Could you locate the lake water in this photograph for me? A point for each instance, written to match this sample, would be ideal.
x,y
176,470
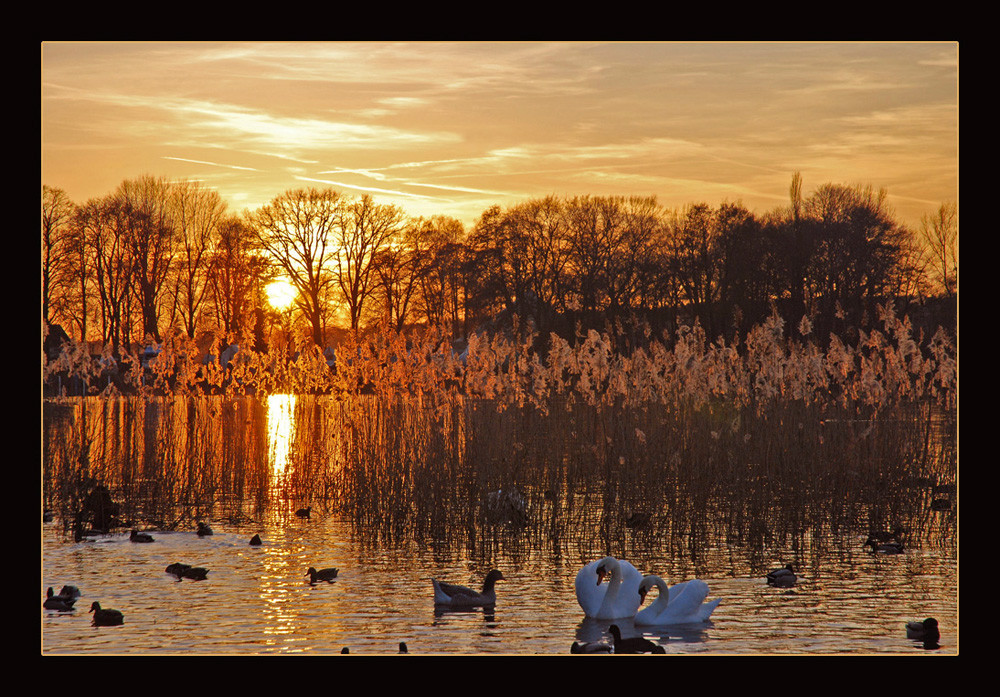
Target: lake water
x,y
258,600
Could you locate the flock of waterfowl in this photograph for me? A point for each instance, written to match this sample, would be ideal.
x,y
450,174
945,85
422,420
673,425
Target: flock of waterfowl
x,y
621,598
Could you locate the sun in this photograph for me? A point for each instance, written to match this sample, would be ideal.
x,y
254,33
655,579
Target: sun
x,y
281,294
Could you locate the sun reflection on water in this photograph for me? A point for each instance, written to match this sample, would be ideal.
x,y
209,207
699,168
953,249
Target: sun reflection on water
x,y
280,408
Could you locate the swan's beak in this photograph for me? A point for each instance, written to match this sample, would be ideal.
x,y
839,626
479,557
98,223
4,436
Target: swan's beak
x,y
642,595
600,576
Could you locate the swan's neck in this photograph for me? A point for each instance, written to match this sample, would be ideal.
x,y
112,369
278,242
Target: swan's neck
x,y
663,596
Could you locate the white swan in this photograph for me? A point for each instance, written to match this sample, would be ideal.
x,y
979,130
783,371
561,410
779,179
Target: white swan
x,y
683,603
618,598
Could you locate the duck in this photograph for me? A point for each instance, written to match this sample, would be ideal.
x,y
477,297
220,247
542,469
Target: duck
x,y
618,599
782,578
137,536
70,592
203,529
591,647
452,595
304,512
895,535
683,603
322,575
255,541
195,573
106,617
638,521
402,647
884,547
926,631
62,603
177,569
636,644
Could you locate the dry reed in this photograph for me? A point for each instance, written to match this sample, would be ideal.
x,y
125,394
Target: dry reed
x,y
757,444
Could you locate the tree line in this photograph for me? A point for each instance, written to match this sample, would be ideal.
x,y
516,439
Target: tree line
x,y
158,255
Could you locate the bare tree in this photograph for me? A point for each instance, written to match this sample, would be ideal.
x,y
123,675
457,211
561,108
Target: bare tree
x,y
940,236
150,236
297,230
57,254
104,225
197,214
366,229
236,274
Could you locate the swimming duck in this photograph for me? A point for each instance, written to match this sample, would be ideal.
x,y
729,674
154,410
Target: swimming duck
x,y
402,647
884,547
106,617
203,529
137,536
636,644
255,540
896,535
461,596
177,569
195,573
322,575
782,578
304,512
591,647
62,603
70,592
926,631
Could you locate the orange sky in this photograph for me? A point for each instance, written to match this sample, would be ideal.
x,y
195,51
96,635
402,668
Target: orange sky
x,y
452,128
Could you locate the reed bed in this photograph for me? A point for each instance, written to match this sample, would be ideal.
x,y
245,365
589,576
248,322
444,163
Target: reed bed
x,y
766,443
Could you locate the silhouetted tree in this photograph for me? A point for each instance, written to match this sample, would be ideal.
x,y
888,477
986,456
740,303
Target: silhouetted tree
x,y
237,274
150,235
365,229
197,214
297,229
59,250
940,236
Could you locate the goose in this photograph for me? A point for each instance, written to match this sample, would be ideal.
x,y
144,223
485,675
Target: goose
x,y
683,603
591,647
926,631
461,596
782,578
203,529
137,536
636,644
884,547
106,617
304,512
63,603
255,540
322,575
619,598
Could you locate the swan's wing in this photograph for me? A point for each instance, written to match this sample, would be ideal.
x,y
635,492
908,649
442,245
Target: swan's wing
x,y
686,602
628,600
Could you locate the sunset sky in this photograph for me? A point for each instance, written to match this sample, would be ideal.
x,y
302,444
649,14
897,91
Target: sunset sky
x,y
453,128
